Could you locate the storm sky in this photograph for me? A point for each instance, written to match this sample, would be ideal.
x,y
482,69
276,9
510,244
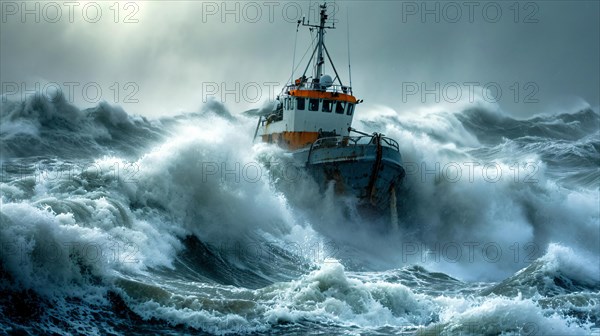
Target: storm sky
x,y
163,58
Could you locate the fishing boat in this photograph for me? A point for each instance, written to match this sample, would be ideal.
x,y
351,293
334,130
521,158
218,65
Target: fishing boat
x,y
312,119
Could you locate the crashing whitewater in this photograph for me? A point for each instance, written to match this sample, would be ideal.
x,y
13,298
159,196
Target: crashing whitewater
x,y
113,223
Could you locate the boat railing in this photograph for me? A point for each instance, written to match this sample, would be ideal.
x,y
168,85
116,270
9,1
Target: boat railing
x,y
318,87
390,143
353,141
346,141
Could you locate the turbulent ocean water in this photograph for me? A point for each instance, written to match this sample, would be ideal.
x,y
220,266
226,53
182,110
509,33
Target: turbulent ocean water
x,y
118,224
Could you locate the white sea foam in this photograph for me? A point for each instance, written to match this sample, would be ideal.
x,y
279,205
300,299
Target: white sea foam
x,y
106,230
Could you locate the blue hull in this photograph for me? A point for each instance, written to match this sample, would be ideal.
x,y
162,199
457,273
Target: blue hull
x,y
369,172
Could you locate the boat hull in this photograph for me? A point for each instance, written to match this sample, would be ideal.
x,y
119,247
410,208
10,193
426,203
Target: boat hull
x,y
369,172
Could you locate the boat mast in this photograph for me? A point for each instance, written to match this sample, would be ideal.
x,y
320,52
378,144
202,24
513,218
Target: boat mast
x,y
321,33
321,39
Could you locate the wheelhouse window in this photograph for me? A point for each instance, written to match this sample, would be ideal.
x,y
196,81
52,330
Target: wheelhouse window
x,y
340,107
350,109
286,104
291,103
313,104
300,102
327,105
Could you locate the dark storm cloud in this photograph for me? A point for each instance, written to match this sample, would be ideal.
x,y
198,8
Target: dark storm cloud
x,y
179,53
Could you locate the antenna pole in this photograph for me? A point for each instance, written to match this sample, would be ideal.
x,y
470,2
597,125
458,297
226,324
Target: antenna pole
x,y
348,30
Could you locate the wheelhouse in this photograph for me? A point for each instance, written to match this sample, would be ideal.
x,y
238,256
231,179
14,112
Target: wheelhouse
x,y
311,107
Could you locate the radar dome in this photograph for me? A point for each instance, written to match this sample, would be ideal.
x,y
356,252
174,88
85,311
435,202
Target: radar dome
x,y
326,81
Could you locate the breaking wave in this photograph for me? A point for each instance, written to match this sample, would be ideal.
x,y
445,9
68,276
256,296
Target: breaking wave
x,y
112,223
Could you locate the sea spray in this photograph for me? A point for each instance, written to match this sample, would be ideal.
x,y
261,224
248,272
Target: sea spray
x,y
154,226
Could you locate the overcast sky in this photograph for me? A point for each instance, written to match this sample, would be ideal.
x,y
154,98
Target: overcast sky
x,y
163,58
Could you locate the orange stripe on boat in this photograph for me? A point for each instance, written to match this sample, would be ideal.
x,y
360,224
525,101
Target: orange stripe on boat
x,y
323,95
291,140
